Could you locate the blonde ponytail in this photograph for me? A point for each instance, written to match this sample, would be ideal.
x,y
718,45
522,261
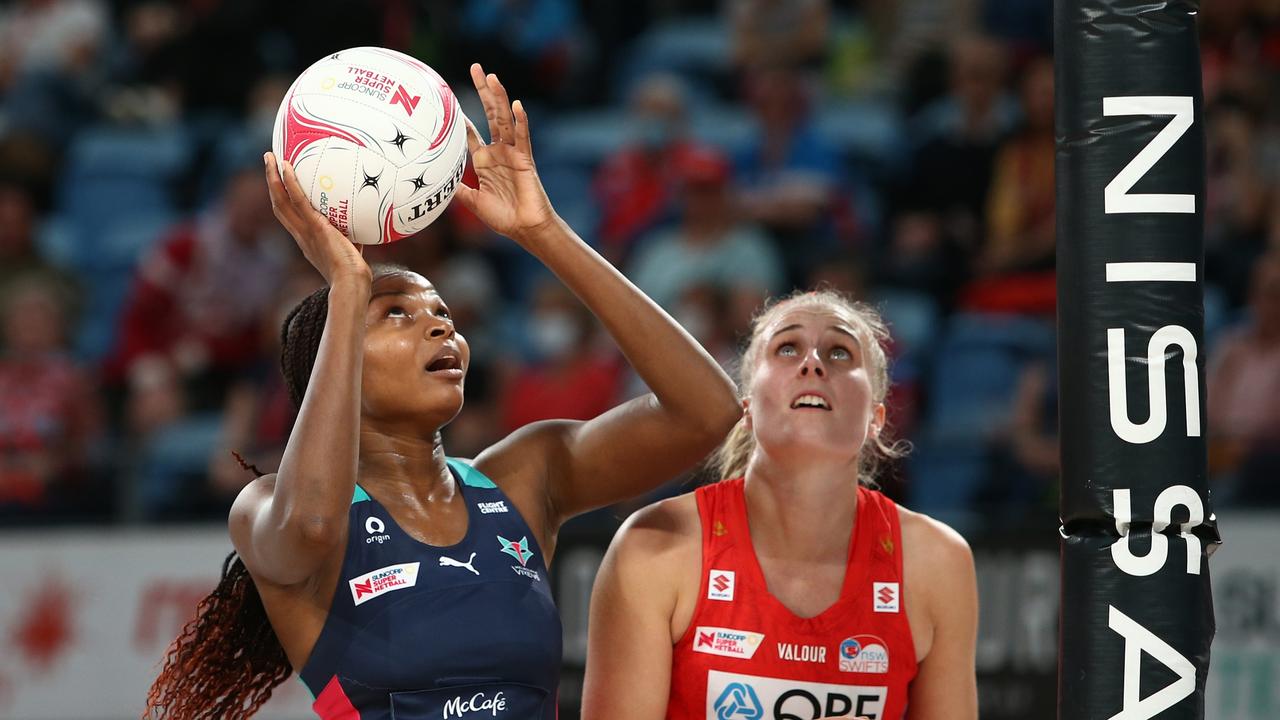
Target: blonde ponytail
x,y
732,456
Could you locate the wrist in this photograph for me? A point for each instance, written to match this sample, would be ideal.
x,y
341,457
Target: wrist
x,y
542,232
351,283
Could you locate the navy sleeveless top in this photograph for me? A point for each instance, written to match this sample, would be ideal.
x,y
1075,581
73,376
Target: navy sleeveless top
x,y
417,631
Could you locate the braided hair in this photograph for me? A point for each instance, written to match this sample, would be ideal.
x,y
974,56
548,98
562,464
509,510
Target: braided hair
x,y
228,659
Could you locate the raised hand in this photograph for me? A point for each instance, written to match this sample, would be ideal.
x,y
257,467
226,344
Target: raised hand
x,y
509,197
323,245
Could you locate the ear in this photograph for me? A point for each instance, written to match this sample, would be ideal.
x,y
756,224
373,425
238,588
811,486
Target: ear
x,y
877,421
746,411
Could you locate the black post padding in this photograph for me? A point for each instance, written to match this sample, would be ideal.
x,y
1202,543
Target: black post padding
x,y
1130,230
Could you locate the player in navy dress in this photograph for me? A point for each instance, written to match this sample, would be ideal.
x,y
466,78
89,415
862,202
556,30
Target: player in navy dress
x,y
397,582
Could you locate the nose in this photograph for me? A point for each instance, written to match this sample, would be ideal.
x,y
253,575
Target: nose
x,y
812,363
439,327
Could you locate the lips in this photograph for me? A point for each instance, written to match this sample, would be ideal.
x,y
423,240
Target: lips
x,y
446,361
811,401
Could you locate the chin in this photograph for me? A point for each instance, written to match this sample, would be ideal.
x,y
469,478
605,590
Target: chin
x,y
814,445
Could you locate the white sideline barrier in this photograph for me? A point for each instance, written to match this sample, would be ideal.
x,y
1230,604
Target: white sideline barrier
x,y
85,617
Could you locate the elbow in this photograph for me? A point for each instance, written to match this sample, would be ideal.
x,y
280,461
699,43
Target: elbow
x,y
728,408
721,415
318,531
312,530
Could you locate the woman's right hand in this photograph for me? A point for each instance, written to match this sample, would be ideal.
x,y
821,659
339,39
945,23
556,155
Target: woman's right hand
x,y
335,256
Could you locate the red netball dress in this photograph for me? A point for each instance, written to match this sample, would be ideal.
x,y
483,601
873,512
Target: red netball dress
x,y
746,656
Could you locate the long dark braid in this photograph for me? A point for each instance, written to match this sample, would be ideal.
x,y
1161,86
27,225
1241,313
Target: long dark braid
x,y
300,342
228,659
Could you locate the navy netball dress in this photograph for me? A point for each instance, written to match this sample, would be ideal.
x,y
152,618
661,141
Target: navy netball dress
x,y
418,631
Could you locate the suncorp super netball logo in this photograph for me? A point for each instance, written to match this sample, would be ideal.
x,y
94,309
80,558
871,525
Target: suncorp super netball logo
x,y
726,641
383,580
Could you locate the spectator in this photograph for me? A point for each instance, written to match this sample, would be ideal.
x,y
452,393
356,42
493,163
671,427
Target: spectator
x,y
938,214
198,297
1014,267
1020,216
789,177
635,186
1033,439
1243,384
18,256
1242,172
709,245
529,43
49,409
570,378
50,69
258,414
778,32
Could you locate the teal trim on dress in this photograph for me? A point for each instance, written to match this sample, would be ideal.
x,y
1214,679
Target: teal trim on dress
x,y
304,682
471,477
359,495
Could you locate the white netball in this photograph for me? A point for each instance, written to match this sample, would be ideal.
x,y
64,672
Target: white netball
x,y
377,140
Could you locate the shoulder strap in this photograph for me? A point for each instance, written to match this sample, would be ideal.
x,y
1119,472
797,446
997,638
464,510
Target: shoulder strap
x,y
471,477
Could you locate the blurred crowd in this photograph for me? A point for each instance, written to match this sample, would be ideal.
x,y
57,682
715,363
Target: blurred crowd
x,y
717,152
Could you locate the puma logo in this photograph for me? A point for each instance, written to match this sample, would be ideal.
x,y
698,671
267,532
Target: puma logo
x,y
450,562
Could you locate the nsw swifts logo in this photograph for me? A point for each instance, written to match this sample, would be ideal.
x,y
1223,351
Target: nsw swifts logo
x,y
405,100
864,654
720,585
382,581
377,531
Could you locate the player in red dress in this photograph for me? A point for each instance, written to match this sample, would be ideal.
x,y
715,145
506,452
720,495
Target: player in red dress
x,y
790,590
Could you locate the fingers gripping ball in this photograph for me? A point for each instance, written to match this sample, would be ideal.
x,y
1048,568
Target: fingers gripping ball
x,y
377,140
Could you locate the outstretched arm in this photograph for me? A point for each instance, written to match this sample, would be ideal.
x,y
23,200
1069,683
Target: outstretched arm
x,y
640,444
285,526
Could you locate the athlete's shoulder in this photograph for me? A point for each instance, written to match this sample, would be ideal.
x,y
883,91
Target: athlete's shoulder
x,y
652,555
930,537
663,534
665,527
937,556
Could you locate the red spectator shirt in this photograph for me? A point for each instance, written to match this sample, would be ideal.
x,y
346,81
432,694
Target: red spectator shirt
x,y
745,655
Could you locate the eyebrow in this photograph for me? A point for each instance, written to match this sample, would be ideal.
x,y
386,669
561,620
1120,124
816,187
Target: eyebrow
x,y
404,293
837,328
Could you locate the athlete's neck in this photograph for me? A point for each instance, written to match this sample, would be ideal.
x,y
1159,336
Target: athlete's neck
x,y
405,467
801,509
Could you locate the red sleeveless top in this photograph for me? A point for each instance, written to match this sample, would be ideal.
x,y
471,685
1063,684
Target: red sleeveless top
x,y
746,656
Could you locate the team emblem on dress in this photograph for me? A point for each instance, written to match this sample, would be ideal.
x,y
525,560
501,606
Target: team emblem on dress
x,y
864,654
516,549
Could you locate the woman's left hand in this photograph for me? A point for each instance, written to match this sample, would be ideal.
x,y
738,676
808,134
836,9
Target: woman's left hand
x,y
509,197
